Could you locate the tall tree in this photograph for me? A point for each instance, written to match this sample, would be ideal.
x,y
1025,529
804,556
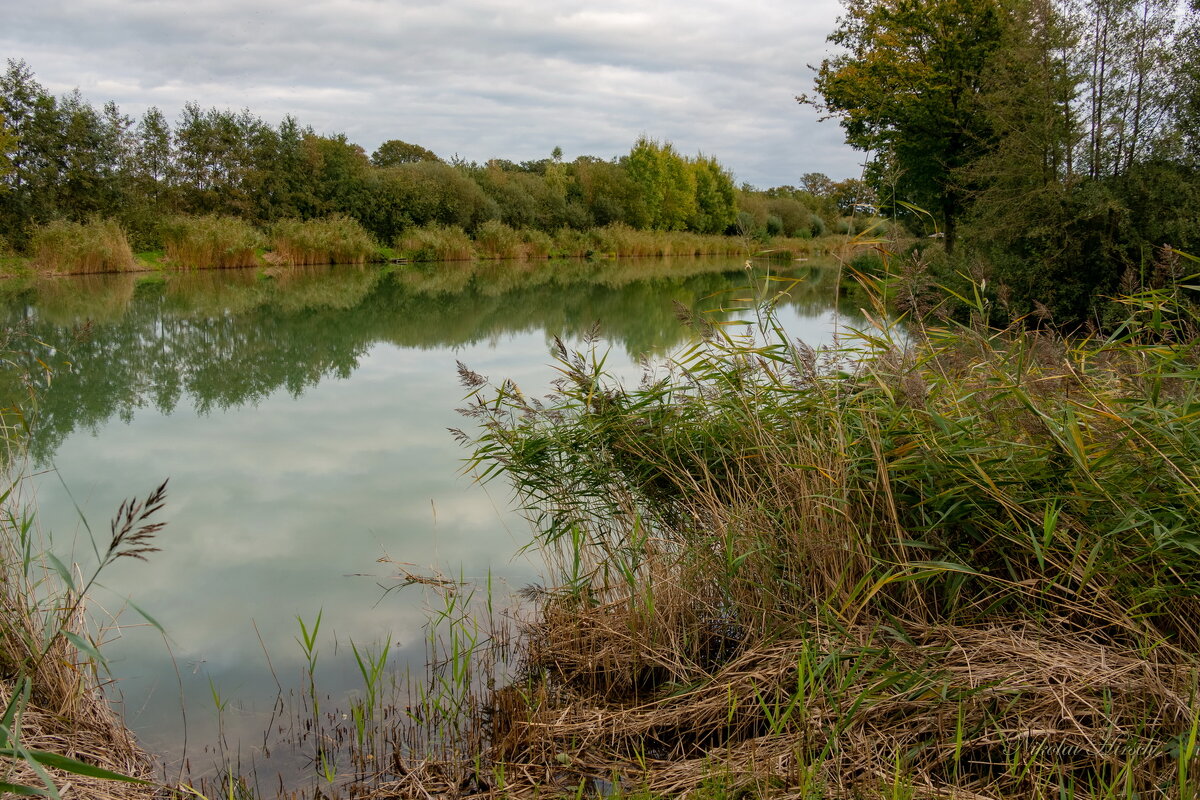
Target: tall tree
x,y
907,88
716,197
35,122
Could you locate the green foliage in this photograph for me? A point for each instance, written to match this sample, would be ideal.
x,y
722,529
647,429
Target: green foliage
x,y
667,186
73,247
8,147
816,225
607,192
65,159
716,197
422,194
793,215
536,243
907,88
571,243
394,152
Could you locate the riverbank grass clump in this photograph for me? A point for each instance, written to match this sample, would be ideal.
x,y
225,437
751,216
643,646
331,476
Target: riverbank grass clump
x,y
210,242
333,240
436,243
944,560
494,239
99,245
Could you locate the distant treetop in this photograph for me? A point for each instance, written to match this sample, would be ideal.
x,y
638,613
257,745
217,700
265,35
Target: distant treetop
x,y
394,152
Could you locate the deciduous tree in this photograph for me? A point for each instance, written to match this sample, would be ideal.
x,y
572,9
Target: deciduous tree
x,y
908,85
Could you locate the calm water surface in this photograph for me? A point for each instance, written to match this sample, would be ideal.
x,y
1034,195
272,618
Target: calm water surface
x,y
301,418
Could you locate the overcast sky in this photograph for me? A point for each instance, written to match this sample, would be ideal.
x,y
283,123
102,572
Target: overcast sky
x,y
480,78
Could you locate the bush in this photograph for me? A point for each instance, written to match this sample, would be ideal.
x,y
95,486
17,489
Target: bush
x,y
73,247
210,242
868,262
816,225
571,243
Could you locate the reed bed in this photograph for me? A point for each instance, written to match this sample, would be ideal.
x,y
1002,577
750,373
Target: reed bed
x,y
210,242
436,243
537,245
99,245
494,239
620,240
337,239
944,561
572,243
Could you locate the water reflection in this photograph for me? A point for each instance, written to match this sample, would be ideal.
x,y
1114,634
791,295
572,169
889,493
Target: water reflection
x,y
301,417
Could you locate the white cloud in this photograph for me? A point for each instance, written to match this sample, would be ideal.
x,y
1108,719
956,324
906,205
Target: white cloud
x,y
480,78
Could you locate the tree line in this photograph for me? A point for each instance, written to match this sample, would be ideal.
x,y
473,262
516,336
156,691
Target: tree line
x,y
1054,144
63,158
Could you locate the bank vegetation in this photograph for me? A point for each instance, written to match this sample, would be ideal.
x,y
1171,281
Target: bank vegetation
x,y
943,560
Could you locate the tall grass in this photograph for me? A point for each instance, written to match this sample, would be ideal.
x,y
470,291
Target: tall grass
x,y
333,240
210,242
436,243
494,239
572,243
99,245
621,240
943,560
536,244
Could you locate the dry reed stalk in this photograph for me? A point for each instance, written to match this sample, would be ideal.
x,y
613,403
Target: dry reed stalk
x,y
67,712
73,248
75,720
1025,696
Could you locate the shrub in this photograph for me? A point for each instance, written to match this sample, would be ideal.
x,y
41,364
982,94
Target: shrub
x,y
816,225
73,247
571,243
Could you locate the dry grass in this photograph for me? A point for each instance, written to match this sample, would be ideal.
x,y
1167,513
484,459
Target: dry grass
x,y
65,711
333,240
619,240
210,242
72,247
436,243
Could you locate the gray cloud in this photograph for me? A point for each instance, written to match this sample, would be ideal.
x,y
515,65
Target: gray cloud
x,y
480,78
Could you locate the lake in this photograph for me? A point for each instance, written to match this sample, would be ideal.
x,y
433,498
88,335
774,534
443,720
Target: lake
x,y
301,416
